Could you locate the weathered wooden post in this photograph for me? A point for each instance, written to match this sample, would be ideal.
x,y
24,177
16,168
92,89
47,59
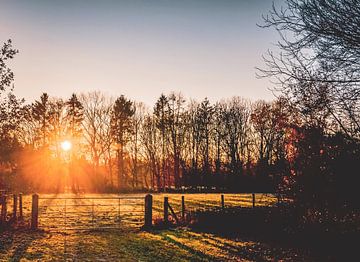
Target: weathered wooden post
x,y
34,211
278,199
222,202
166,210
253,199
15,199
183,208
148,210
3,208
20,206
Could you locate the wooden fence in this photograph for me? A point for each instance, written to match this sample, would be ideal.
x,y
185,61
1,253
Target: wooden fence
x,y
86,212
14,200
180,217
170,211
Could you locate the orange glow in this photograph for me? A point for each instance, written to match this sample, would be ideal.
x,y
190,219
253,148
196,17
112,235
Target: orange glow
x,y
66,145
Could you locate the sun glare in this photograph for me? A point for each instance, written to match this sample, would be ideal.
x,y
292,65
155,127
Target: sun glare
x,y
66,145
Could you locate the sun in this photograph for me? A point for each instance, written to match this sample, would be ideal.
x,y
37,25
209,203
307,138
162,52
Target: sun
x,y
66,145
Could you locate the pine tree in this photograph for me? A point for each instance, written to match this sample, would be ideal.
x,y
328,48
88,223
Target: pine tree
x,y
41,113
161,119
74,116
121,128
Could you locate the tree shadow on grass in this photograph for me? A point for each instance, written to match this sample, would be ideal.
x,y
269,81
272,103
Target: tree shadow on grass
x,y
132,245
15,243
193,251
212,247
283,233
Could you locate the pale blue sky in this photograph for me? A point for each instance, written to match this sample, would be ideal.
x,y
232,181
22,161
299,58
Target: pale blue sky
x,y
202,48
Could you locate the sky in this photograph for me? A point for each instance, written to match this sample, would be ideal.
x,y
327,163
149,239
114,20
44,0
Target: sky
x,y
139,48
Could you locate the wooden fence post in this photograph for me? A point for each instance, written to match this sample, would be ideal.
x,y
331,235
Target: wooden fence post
x,y
20,206
222,202
166,210
148,210
253,199
3,209
278,198
173,214
15,199
183,208
35,211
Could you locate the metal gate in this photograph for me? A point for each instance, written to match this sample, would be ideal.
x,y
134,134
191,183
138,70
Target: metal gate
x,y
87,213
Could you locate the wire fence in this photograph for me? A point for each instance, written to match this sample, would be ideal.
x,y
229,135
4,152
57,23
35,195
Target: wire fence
x,y
86,213
62,212
211,201
10,207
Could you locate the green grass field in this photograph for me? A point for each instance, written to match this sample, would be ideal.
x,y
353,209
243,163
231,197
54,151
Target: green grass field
x,y
106,210
125,241
134,245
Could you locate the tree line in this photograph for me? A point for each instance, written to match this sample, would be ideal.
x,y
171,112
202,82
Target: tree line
x,y
122,144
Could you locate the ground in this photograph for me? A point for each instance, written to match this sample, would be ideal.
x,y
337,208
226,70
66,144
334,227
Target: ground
x,y
132,245
126,242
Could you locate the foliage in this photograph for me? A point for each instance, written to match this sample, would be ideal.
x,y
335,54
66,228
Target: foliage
x,y
317,69
7,52
325,170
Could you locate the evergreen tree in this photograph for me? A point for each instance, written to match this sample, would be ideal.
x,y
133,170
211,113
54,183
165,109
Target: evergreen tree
x,y
42,114
74,115
161,119
121,129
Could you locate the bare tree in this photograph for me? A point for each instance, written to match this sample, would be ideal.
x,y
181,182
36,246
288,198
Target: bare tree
x,y
96,126
235,118
204,118
149,140
135,146
176,127
319,50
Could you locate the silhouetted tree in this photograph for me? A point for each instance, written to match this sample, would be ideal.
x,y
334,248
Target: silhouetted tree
x,y
161,119
204,118
11,116
219,134
6,75
121,128
57,123
149,140
97,138
135,147
74,115
318,65
236,117
176,129
42,114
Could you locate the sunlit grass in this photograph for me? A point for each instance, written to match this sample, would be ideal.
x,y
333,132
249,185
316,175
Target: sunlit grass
x,y
127,242
92,211
134,245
